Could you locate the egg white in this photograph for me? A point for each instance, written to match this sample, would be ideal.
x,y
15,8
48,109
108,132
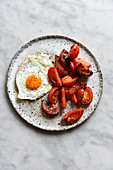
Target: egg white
x,y
37,65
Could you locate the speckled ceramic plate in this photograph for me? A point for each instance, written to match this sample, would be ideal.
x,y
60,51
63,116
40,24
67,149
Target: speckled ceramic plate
x,y
31,111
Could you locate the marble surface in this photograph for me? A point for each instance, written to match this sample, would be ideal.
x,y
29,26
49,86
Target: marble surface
x,y
87,147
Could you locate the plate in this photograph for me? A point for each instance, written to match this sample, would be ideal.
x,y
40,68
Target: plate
x,y
31,111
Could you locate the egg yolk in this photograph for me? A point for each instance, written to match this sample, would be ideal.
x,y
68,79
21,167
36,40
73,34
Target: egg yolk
x,y
33,82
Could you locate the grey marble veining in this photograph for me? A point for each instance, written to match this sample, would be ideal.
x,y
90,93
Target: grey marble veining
x,y
87,147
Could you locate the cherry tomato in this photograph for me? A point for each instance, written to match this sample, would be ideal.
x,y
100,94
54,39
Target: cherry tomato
x,y
59,67
49,108
73,116
75,63
53,95
67,93
73,97
54,76
72,69
74,51
68,62
87,97
63,55
77,86
83,61
79,95
69,81
83,70
62,98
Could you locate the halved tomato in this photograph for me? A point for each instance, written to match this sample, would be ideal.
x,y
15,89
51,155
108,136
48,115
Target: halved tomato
x,y
87,97
49,108
67,93
72,69
73,116
83,61
77,86
59,67
68,62
63,55
83,70
69,81
74,51
54,77
74,98
62,98
53,95
79,95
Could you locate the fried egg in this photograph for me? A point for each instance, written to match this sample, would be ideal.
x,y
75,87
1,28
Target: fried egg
x,y
32,76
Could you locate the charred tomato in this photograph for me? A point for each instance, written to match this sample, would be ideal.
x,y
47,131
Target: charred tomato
x,y
73,116
83,70
63,55
59,67
53,95
72,69
77,86
87,97
49,108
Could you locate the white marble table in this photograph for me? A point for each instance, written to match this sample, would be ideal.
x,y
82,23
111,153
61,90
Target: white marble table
x,y
87,147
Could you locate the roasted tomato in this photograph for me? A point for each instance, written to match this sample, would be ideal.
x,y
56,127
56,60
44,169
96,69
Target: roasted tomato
x,y
59,67
73,116
77,86
63,55
54,76
68,62
83,70
53,95
83,61
87,97
72,69
73,97
67,93
69,81
49,108
62,98
79,95
74,51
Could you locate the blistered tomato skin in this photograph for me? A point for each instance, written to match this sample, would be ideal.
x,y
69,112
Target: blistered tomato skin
x,y
77,86
79,95
59,67
87,97
53,95
83,70
49,108
72,69
74,51
63,55
73,116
